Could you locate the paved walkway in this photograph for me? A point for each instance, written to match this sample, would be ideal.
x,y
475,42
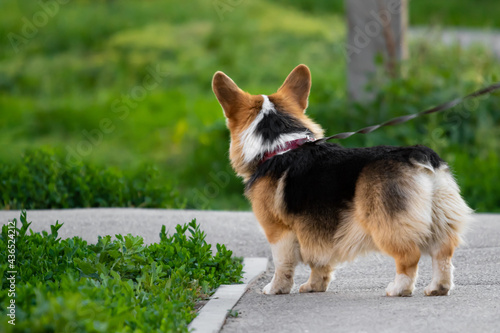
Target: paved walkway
x,y
465,37
355,301
239,231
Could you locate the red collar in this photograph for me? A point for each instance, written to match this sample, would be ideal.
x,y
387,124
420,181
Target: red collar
x,y
286,147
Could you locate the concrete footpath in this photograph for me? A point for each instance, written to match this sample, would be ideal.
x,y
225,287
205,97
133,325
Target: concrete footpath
x,y
356,300
465,37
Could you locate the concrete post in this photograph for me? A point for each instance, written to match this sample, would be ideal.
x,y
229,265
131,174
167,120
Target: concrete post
x,y
375,28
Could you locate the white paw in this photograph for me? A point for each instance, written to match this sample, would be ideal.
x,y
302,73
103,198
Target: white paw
x,y
270,289
267,289
403,285
394,290
438,289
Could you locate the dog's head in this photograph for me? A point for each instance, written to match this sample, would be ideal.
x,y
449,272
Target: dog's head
x,y
262,126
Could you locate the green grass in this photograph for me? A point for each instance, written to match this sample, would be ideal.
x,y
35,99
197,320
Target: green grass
x,y
115,285
64,89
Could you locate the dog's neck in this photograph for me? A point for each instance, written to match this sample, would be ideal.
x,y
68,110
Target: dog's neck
x,y
289,145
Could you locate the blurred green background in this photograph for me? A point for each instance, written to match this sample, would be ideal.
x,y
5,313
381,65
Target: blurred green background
x,y
79,84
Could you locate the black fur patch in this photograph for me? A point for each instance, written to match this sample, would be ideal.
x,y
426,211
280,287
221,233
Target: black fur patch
x,y
277,123
321,178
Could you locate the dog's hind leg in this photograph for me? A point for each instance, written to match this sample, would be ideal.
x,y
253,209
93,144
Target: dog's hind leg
x,y
394,204
286,256
319,280
406,271
442,272
450,216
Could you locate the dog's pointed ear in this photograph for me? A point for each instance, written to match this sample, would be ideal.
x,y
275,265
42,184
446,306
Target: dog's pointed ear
x,y
227,92
297,85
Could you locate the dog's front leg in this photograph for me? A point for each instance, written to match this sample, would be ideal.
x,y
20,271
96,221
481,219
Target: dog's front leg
x,y
319,280
286,256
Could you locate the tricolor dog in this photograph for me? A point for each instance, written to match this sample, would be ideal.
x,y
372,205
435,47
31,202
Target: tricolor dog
x,y
323,204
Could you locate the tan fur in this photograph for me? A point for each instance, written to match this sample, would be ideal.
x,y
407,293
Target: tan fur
x,y
399,209
394,231
287,256
318,280
296,87
268,214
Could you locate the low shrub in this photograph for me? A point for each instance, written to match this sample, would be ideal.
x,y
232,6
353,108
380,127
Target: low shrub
x,y
43,179
119,285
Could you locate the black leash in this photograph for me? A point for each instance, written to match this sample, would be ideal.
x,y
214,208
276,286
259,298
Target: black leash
x,y
403,119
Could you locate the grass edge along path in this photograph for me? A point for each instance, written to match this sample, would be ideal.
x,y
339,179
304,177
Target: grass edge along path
x,y
119,285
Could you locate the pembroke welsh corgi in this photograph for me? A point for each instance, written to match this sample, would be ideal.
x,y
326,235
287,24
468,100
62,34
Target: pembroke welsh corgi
x,y
322,204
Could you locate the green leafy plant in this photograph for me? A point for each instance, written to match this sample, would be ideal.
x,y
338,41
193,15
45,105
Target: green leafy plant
x,y
43,179
115,285
232,313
